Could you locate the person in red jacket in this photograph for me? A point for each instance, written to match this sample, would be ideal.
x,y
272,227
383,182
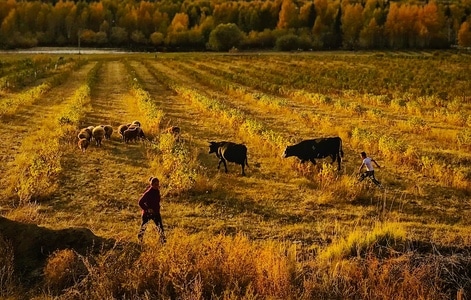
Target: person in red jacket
x,y
150,205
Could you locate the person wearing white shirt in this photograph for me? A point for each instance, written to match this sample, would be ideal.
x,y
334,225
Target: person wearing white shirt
x,y
370,172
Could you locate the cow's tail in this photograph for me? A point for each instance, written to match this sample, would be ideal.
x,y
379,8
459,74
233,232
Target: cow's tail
x,y
341,149
246,161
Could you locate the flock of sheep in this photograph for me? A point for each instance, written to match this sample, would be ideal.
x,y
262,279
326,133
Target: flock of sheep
x,y
128,132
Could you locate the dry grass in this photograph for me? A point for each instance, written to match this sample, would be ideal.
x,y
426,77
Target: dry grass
x,y
202,266
8,280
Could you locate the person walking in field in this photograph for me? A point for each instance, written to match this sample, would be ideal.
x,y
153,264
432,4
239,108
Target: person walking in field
x,y
370,173
149,202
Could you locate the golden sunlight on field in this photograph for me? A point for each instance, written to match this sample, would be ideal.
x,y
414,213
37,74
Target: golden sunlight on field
x,y
286,230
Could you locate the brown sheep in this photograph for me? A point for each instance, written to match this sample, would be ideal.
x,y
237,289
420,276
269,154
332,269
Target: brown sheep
x,y
137,123
108,131
98,134
90,128
122,128
85,133
83,144
131,134
175,131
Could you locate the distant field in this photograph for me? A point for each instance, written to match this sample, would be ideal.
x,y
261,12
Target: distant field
x,y
411,111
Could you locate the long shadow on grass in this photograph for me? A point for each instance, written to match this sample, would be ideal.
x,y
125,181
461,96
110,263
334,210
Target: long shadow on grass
x,y
231,204
32,244
131,154
126,153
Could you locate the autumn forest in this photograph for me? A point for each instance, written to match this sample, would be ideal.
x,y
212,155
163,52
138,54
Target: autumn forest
x,y
182,25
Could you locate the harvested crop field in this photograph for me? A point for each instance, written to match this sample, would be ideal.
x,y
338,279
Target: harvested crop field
x,y
284,230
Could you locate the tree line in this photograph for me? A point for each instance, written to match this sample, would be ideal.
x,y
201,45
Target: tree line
x,y
182,25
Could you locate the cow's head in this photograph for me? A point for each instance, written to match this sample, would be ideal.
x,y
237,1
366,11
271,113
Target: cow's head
x,y
287,152
213,147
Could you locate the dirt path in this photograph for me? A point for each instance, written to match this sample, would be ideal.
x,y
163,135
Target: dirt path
x,y
29,118
107,179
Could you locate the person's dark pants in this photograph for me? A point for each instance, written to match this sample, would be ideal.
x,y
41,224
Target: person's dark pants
x,y
157,220
371,175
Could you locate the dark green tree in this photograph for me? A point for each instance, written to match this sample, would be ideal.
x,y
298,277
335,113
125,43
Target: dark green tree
x,y
288,42
225,37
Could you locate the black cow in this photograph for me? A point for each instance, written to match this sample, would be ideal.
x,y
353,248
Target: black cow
x,y
232,152
317,148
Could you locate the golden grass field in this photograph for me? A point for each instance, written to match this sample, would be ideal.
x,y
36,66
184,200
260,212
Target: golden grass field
x,y
284,231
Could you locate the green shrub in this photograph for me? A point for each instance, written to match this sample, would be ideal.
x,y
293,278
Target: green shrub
x,y
224,37
392,147
287,42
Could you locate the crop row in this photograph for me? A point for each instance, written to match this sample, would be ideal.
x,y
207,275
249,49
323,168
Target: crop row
x,y
12,102
408,82
23,72
306,85
168,157
226,82
37,167
234,116
369,106
390,145
362,105
152,114
354,103
417,76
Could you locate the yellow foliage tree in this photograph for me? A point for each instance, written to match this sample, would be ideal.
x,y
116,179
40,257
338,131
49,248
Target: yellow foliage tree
x,y
464,35
370,35
431,23
9,24
97,15
288,16
352,23
144,20
401,25
179,23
